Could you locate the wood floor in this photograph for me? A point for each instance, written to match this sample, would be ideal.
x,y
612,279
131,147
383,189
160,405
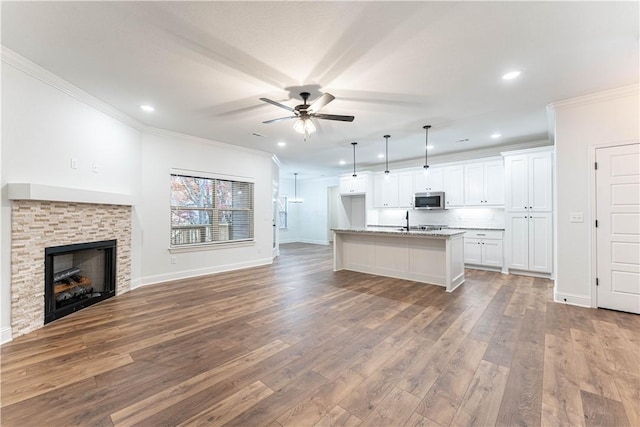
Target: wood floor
x,y
297,344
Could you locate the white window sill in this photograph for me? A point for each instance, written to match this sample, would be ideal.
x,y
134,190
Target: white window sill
x,y
210,246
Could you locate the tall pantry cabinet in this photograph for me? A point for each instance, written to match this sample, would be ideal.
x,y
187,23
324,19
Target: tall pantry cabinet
x,y
529,209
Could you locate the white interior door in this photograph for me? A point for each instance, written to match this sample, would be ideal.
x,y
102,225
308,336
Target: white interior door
x,y
618,231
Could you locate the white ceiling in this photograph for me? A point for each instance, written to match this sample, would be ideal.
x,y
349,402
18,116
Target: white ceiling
x,y
395,66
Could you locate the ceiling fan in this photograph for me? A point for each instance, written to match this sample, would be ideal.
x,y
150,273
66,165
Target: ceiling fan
x,y
305,112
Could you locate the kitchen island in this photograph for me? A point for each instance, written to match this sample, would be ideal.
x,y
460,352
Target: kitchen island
x,y
435,257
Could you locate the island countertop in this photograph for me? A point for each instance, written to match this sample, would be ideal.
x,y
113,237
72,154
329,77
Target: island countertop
x,y
443,233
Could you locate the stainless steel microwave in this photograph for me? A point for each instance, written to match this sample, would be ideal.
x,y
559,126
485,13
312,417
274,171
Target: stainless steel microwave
x,y
429,200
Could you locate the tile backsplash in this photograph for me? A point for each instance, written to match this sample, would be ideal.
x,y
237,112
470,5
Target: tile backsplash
x,y
460,217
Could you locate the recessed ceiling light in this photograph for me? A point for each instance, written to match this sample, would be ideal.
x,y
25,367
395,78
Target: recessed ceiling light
x,y
511,75
342,162
281,144
147,108
429,147
496,135
381,156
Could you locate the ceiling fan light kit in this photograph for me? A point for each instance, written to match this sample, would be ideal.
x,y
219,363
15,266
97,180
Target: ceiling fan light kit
x,y
305,112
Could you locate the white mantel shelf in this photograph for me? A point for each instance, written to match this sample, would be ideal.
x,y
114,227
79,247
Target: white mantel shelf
x,y
25,191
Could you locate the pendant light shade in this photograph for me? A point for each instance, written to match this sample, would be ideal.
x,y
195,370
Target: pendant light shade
x,y
295,198
426,146
354,158
386,154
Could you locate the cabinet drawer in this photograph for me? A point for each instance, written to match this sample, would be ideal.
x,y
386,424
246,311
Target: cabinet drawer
x,y
483,234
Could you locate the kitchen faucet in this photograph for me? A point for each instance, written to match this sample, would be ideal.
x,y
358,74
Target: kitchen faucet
x,y
407,218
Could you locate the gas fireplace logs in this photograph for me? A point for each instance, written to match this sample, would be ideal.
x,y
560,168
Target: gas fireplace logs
x,y
69,284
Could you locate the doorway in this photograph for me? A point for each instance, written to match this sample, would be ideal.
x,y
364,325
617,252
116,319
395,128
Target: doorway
x,y
617,230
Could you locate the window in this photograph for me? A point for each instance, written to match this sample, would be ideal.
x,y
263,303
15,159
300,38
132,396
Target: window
x,y
210,210
282,211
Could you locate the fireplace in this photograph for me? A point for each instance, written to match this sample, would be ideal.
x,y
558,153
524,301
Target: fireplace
x,y
77,276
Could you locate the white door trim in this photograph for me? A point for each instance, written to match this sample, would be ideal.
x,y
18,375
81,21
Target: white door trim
x,y
592,211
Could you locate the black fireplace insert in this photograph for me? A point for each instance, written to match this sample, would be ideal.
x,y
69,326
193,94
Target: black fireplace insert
x,y
77,276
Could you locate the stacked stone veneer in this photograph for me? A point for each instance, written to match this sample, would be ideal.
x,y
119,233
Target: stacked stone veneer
x,y
37,225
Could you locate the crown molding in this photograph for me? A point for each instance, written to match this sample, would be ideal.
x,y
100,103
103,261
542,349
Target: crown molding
x,y
21,63
595,97
149,130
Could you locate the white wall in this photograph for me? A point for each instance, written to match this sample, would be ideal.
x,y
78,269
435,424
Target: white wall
x,y
42,129
308,221
163,151
580,125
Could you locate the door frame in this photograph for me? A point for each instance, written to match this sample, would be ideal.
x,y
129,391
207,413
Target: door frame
x,y
593,257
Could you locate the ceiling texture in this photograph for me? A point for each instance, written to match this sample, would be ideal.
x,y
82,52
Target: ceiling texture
x,y
395,66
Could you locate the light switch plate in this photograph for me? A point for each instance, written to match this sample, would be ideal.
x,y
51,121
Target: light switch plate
x,y
576,217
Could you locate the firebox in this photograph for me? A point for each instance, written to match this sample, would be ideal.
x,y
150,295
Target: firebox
x,y
77,276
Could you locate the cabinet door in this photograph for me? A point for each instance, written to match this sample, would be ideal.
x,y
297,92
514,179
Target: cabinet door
x,y
359,184
453,184
385,193
405,189
494,183
428,180
517,183
540,182
540,242
473,184
492,253
472,251
518,240
345,184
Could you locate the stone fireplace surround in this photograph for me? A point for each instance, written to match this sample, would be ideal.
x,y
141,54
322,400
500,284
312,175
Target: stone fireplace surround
x,y
37,224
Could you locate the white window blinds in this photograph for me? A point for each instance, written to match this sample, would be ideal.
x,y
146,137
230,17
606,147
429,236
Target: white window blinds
x,y
210,210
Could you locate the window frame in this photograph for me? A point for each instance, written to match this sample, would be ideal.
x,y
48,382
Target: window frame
x,y
214,211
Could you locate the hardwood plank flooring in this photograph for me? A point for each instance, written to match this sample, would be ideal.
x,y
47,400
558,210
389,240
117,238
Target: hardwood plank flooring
x,y
296,344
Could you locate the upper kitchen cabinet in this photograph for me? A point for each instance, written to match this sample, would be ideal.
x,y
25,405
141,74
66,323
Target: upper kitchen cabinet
x,y
529,180
484,184
405,189
385,190
453,185
353,185
428,180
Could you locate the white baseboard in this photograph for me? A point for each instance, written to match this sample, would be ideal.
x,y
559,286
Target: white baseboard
x,y
572,299
135,284
5,335
315,242
186,274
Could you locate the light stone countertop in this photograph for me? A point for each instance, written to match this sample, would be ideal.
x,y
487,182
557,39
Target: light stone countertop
x,y
396,231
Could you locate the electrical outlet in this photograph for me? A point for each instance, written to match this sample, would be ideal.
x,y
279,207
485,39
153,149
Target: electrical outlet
x,y
173,260
576,217
74,163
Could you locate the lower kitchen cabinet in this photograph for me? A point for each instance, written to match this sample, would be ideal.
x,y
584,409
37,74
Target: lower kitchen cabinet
x,y
483,248
530,241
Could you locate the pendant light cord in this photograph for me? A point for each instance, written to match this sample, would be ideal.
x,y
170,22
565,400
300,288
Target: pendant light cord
x,y
426,145
386,154
354,158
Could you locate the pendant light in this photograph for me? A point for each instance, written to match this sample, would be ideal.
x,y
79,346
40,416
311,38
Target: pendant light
x,y
295,184
354,158
426,146
386,155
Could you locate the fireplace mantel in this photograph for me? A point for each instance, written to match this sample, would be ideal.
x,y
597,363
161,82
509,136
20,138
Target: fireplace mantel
x,y
50,193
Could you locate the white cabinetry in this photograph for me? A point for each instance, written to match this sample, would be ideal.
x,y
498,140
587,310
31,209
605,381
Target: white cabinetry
x,y
352,185
528,206
530,241
405,189
385,193
428,180
529,182
453,185
483,248
484,184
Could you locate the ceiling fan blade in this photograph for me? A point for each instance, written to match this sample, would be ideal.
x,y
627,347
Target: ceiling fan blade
x,y
333,117
321,102
281,118
277,104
